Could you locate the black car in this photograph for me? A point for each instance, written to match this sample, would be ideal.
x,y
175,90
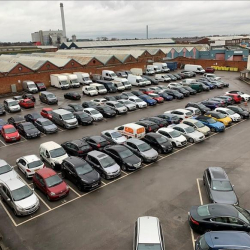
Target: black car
x,y
117,97
89,104
148,125
15,120
176,94
124,157
211,104
221,101
32,117
83,118
106,111
152,80
72,96
68,108
218,217
28,130
29,96
242,112
189,73
191,91
77,147
171,118
76,107
2,110
108,85
159,121
80,173
204,86
136,93
46,126
218,186
110,98
199,106
177,76
183,91
158,142
97,142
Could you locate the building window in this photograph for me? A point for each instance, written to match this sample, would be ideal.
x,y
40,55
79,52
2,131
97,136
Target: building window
x,y
94,61
48,66
20,68
72,63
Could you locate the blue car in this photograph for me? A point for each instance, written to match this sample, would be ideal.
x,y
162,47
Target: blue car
x,y
150,101
218,240
2,123
211,104
165,96
207,83
211,123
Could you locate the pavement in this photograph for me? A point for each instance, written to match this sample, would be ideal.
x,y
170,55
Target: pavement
x,y
104,218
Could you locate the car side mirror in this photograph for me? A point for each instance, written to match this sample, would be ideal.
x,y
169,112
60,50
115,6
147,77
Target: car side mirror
x,y
232,185
8,199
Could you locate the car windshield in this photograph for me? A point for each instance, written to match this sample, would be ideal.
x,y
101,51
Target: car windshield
x,y
116,135
161,140
94,112
189,129
91,88
36,115
35,164
230,112
78,108
221,115
221,186
201,106
203,210
107,162
57,152
243,214
127,102
48,111
174,133
51,96
138,100
119,105
211,121
53,180
203,244
83,115
86,78
5,169
126,153
29,127
149,247
13,103
175,92
143,147
47,123
40,84
85,169
64,83
9,130
68,116
21,193
199,124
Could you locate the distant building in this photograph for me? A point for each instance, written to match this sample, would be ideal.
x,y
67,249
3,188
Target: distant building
x,y
51,37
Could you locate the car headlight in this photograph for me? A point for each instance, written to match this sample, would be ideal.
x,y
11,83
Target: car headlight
x,y
7,137
67,187
84,181
129,164
20,208
52,194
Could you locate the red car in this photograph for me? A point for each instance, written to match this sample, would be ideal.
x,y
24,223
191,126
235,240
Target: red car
x,y
27,103
47,113
236,98
210,70
48,181
9,133
146,91
156,97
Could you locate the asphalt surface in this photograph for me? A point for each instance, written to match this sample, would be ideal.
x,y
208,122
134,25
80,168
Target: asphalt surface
x,y
104,218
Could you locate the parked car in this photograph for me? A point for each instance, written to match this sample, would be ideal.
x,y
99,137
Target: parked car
x,y
48,97
83,118
113,136
138,102
181,113
137,93
198,105
110,98
142,149
226,120
165,95
9,133
72,96
209,70
104,164
28,130
170,118
152,80
11,105
32,117
159,121
160,143
236,98
118,107
218,217
89,104
183,91
149,126
29,164
79,172
211,104
176,94
195,111
230,113
29,96
18,98
178,77
106,111
97,142
124,157
222,102
128,104
49,183
149,100
197,125
2,110
211,123
125,95
189,132
190,90
241,111
67,108
2,123
45,126
46,113
96,115
6,171
15,120
99,101
156,97
245,97
40,86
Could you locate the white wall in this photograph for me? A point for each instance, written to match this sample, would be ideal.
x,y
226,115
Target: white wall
x,y
248,63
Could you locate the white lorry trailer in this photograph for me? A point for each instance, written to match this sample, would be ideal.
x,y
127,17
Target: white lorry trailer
x,y
59,81
72,80
83,78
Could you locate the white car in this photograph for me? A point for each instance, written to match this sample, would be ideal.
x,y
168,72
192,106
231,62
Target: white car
x,y
138,102
174,136
113,136
234,116
162,87
195,111
197,125
212,76
96,115
155,88
89,90
189,132
147,82
128,104
6,171
174,85
244,96
99,101
181,113
163,78
29,164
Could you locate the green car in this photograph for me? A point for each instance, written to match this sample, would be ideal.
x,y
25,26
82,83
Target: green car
x,y
196,86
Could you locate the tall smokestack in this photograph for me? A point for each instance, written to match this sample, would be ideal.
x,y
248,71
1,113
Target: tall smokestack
x,y
63,23
146,31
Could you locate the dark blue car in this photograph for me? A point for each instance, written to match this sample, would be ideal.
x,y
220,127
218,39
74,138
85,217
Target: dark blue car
x,y
2,123
211,123
211,104
150,101
170,118
218,240
165,96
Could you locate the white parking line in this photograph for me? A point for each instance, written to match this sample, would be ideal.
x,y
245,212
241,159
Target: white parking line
x,y
8,213
14,143
23,138
124,172
104,183
199,189
192,236
74,191
3,143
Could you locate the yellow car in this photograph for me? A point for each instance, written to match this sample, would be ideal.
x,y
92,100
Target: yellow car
x,y
219,117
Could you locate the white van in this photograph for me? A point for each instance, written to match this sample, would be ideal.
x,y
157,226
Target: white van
x,y
124,81
108,75
162,66
132,130
187,82
150,70
136,80
163,78
30,87
136,71
83,78
72,80
100,88
157,69
59,81
52,153
212,76
195,68
89,90
119,85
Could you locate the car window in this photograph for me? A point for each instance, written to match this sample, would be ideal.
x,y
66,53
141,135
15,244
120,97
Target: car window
x,y
220,219
233,220
208,178
221,185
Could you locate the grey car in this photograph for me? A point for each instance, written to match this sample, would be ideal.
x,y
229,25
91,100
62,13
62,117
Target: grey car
x,y
113,136
104,164
189,132
45,126
218,186
6,171
128,104
118,107
142,149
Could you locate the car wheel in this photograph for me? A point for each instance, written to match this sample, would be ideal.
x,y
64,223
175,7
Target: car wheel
x,y
124,168
63,175
103,176
79,186
212,129
26,175
160,151
191,140
174,144
35,186
15,213
48,197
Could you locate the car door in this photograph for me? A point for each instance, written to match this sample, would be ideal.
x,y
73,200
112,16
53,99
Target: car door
x,y
22,165
69,148
7,196
20,129
72,173
208,184
220,223
115,156
183,132
39,125
108,137
40,183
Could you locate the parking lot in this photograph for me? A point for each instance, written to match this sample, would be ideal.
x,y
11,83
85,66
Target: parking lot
x,y
104,218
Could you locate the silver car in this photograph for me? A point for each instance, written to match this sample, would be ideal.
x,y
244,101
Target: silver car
x,y
19,197
118,107
189,132
128,104
142,149
113,136
6,171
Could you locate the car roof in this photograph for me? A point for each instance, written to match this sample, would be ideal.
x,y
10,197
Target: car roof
x,y
18,118
148,230
9,100
30,158
113,102
110,131
97,138
47,109
118,148
50,145
217,173
182,110
181,125
75,161
79,142
8,126
224,109
189,120
155,135
218,210
97,154
42,119
3,162
228,239
135,141
167,129
46,172
89,109
14,183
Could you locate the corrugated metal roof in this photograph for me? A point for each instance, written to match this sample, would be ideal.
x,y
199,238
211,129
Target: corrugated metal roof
x,y
179,49
224,38
6,67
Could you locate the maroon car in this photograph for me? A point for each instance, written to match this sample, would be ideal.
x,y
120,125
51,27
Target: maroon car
x,y
209,70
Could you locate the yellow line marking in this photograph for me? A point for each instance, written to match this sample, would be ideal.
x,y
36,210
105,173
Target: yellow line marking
x,y
199,189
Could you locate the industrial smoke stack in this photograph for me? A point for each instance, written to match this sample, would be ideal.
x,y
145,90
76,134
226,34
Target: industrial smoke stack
x,y
147,32
63,23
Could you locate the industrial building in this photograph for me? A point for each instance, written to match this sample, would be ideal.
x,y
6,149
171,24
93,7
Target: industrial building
x,y
51,37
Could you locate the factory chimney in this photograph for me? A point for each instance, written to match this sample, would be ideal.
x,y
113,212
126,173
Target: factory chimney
x,y
63,23
146,31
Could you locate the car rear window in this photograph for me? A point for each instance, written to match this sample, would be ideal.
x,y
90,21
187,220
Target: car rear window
x,y
203,211
203,244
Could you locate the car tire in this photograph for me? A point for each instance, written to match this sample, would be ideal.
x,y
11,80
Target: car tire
x,y
79,186
123,167
26,175
212,129
160,151
191,140
63,175
174,144
48,197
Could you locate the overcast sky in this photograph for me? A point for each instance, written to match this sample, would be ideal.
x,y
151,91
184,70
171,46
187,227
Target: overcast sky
x,y
124,19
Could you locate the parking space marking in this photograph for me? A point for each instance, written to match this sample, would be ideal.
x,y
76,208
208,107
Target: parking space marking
x,y
14,143
43,135
42,201
3,143
199,189
124,172
74,191
192,237
23,138
60,130
104,183
8,213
